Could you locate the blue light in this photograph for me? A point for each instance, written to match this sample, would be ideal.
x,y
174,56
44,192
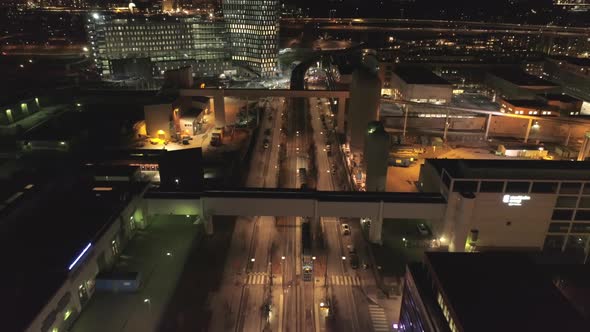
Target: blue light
x,y
79,256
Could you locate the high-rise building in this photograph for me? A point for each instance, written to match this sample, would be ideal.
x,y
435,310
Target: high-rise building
x,y
159,43
254,31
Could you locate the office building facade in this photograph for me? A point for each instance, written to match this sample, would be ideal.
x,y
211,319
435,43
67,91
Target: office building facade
x,y
526,204
254,31
159,43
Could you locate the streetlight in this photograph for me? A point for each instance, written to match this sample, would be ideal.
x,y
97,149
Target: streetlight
x,y
282,257
149,302
252,259
343,258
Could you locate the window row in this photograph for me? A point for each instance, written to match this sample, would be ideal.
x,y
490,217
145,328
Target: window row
x,y
567,214
567,188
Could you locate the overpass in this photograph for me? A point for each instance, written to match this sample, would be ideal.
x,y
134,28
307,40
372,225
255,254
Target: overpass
x,y
530,118
292,202
218,104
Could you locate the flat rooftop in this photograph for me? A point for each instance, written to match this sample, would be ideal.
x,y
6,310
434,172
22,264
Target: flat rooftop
x,y
520,78
502,292
43,234
560,97
419,75
529,103
513,169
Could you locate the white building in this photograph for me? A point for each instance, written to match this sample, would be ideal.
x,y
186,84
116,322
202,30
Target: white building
x,y
526,204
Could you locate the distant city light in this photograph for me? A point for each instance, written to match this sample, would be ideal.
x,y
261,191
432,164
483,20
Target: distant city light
x,y
95,16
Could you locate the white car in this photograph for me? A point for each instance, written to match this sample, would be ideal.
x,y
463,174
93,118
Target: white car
x,y
345,229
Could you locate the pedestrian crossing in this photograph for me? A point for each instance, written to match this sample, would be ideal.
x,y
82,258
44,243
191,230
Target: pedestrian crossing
x,y
257,278
345,280
380,323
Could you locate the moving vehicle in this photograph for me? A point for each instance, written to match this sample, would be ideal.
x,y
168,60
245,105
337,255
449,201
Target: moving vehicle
x,y
351,249
354,261
345,229
215,139
422,229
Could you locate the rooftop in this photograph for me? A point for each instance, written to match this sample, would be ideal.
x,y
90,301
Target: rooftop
x,y
44,233
520,78
501,292
560,97
419,75
513,169
529,103
583,62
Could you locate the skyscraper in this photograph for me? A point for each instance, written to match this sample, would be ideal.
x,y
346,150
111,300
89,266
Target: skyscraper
x,y
254,30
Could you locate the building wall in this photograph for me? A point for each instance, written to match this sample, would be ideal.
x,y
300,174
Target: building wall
x,y
169,42
83,274
254,30
500,225
157,117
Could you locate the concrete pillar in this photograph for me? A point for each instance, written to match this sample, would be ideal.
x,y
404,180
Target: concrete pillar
x,y
528,130
585,148
341,115
377,226
488,123
457,225
219,109
206,218
447,125
406,111
569,133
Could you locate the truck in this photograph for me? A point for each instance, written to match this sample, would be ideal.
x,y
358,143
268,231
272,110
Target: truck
x,y
216,138
306,255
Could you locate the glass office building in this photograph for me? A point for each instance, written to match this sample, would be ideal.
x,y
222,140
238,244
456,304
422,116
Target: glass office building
x,y
254,31
158,42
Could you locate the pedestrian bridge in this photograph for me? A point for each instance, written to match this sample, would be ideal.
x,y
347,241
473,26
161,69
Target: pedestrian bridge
x,y
292,202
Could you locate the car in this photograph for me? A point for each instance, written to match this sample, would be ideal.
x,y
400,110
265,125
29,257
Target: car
x,y
267,132
422,229
266,145
351,249
185,142
354,261
154,141
345,229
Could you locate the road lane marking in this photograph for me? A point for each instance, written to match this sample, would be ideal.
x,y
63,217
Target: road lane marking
x,y
378,318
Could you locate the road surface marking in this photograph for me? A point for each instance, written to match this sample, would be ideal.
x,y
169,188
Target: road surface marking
x,y
281,312
380,323
257,278
340,280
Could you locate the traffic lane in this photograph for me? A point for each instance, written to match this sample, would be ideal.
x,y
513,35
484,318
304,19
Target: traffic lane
x,y
266,236
253,318
227,300
324,175
335,252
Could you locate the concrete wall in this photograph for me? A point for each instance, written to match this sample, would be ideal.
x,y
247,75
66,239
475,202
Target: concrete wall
x,y
424,91
157,117
527,226
84,273
173,206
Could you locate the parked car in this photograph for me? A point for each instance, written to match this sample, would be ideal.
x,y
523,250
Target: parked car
x,y
345,229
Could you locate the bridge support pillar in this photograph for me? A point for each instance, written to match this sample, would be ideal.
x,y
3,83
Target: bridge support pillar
x,y
488,123
341,115
377,226
208,224
528,131
219,110
585,148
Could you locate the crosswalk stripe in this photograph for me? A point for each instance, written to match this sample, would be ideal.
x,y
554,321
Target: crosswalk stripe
x,y
378,318
342,280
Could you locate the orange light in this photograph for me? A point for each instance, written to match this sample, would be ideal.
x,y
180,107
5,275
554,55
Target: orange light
x,y
202,85
161,132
